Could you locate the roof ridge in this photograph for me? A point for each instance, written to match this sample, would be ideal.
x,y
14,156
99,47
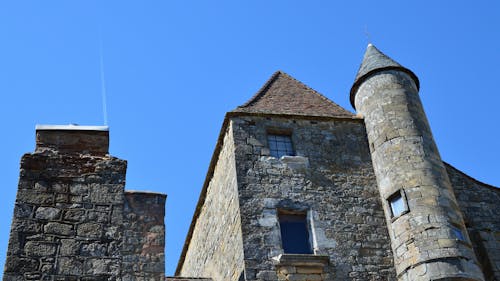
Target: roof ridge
x,y
314,91
262,89
261,92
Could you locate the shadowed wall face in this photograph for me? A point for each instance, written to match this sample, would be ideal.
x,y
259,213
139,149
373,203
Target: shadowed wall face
x,y
215,248
143,236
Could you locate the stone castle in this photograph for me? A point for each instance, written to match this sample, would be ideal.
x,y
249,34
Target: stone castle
x,y
298,188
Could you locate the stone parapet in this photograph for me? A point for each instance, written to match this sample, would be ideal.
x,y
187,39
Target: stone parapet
x,y
143,246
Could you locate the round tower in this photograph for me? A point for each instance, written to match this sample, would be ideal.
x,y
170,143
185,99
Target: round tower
x,y
428,236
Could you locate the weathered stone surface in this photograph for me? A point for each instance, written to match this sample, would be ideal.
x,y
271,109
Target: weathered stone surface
x,y
331,180
479,203
58,229
216,248
144,236
47,213
70,266
74,215
89,230
406,161
69,247
36,248
97,266
73,141
73,221
16,264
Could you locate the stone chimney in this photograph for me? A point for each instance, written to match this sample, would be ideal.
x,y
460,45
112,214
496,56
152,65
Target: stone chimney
x,y
92,140
68,214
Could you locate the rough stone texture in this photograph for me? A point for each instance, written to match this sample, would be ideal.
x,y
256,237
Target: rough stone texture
x,y
187,279
215,248
144,236
53,235
332,181
73,221
302,268
87,142
479,203
70,221
406,158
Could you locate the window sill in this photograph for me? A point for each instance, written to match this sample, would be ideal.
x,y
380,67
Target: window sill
x,y
303,260
393,219
295,162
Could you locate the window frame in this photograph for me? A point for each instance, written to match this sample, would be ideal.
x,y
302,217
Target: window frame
x,y
399,193
308,239
458,232
287,135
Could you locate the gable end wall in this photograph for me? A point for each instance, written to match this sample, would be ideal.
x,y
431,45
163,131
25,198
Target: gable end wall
x,y
216,249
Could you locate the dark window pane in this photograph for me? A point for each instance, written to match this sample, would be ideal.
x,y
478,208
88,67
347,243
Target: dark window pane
x,y
458,233
280,145
294,234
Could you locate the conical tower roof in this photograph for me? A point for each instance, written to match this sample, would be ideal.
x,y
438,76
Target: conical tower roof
x,y
374,61
284,95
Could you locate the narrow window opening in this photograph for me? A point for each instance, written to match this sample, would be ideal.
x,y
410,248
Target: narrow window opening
x,y
294,234
397,204
458,233
280,145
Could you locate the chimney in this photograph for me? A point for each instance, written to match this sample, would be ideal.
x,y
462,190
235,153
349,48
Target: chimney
x,y
93,140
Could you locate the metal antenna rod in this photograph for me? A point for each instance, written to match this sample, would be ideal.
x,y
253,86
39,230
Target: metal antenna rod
x,y
103,83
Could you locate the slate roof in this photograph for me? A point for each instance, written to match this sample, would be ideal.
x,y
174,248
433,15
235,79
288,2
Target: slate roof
x,y
284,95
374,61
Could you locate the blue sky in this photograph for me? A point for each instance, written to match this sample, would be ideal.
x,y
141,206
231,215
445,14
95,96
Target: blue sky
x,y
173,68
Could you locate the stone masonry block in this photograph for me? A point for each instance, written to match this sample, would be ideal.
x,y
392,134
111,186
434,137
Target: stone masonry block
x,y
58,229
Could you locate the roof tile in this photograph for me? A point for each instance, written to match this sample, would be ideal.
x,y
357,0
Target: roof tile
x,y
283,94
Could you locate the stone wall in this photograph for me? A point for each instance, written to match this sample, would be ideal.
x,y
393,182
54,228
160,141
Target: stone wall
x,y
143,249
479,203
331,179
187,279
215,248
68,212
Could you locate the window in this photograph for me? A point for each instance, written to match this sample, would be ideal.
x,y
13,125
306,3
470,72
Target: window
x,y
458,233
294,234
280,145
397,204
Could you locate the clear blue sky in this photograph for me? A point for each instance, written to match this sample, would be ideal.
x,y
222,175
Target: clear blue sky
x,y
173,68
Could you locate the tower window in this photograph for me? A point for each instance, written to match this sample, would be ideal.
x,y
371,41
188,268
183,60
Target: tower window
x,y
294,234
458,233
280,145
398,204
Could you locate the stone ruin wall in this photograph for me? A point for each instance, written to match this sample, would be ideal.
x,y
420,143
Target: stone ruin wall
x,y
480,204
216,247
143,250
332,180
68,218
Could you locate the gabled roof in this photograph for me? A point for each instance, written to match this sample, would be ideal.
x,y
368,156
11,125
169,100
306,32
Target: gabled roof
x,y
284,95
374,61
